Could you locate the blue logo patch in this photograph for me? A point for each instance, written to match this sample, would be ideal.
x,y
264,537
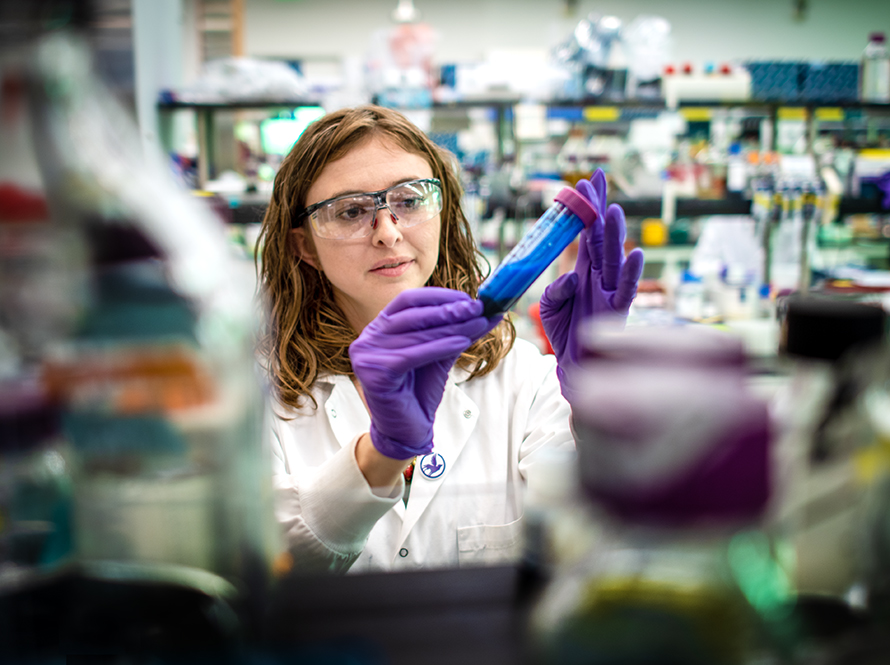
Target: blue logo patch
x,y
432,466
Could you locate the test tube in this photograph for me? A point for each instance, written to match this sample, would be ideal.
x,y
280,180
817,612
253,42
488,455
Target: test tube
x,y
537,249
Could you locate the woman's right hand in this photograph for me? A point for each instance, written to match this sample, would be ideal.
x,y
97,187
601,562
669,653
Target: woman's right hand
x,y
402,359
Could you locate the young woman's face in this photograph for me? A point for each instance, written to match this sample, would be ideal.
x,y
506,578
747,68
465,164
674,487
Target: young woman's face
x,y
367,273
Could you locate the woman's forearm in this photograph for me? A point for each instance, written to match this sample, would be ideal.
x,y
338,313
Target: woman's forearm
x,y
381,472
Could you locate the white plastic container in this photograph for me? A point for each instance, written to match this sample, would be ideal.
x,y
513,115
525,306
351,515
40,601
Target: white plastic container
x,y
875,73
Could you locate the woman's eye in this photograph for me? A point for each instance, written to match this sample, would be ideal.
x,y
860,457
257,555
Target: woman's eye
x,y
410,203
350,213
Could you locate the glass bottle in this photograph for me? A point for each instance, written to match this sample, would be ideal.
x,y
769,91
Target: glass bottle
x,y
826,344
675,461
873,463
835,507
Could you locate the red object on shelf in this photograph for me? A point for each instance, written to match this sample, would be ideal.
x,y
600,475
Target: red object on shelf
x,y
21,205
534,313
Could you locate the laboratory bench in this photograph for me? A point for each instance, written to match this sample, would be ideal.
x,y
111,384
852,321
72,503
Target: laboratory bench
x,y
433,617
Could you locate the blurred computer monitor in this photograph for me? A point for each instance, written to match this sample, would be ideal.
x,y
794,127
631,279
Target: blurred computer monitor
x,y
278,135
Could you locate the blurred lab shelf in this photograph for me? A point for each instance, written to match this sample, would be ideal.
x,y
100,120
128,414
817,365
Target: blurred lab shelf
x,y
205,112
660,104
594,111
651,207
291,102
668,253
252,211
599,111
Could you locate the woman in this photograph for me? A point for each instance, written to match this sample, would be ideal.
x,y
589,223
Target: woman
x,y
384,369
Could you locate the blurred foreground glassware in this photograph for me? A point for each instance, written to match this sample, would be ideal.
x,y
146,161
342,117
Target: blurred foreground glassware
x,y
41,293
675,459
835,411
149,354
872,463
35,484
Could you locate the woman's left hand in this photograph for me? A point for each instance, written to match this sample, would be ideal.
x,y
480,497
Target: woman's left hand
x,y
603,283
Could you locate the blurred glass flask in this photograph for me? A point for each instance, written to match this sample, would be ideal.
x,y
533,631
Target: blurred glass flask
x,y
834,410
35,485
42,293
152,361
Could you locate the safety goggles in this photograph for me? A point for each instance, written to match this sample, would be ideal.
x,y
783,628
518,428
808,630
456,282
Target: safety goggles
x,y
355,215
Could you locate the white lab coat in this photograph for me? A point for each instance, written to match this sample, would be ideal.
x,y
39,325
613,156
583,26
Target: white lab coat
x,y
487,431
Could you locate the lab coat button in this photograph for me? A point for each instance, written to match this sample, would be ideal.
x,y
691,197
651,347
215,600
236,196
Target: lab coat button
x,y
333,413
403,552
468,413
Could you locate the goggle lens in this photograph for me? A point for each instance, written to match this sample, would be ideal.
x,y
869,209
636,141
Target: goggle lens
x,y
411,203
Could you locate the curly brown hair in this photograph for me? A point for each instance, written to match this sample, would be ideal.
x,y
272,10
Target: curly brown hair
x,y
307,332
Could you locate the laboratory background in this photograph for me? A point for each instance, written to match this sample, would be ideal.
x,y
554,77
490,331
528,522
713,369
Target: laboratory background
x,y
729,501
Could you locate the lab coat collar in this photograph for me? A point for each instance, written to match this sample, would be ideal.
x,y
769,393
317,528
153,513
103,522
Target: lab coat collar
x,y
344,409
458,375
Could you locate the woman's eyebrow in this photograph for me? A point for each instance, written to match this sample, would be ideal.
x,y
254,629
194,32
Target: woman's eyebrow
x,y
393,183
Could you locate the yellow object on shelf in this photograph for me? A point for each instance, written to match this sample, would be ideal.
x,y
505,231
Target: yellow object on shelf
x,y
601,113
875,153
696,113
792,113
830,114
653,232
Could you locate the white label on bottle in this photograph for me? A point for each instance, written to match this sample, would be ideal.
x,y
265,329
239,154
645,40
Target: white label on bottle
x,y
876,80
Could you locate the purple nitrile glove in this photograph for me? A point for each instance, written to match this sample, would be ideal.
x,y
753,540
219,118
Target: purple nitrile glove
x,y
604,282
402,359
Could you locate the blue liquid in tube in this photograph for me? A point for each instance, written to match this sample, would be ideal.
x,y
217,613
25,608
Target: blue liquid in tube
x,y
544,242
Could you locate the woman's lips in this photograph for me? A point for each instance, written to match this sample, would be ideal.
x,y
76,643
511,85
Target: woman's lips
x,y
392,267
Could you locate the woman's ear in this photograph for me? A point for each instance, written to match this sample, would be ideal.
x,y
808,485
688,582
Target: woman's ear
x,y
303,246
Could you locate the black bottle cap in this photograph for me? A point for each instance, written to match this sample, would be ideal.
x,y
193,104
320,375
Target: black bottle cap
x,y
826,328
21,21
28,417
113,243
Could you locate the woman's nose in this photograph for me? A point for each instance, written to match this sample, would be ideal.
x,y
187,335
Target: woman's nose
x,y
386,227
